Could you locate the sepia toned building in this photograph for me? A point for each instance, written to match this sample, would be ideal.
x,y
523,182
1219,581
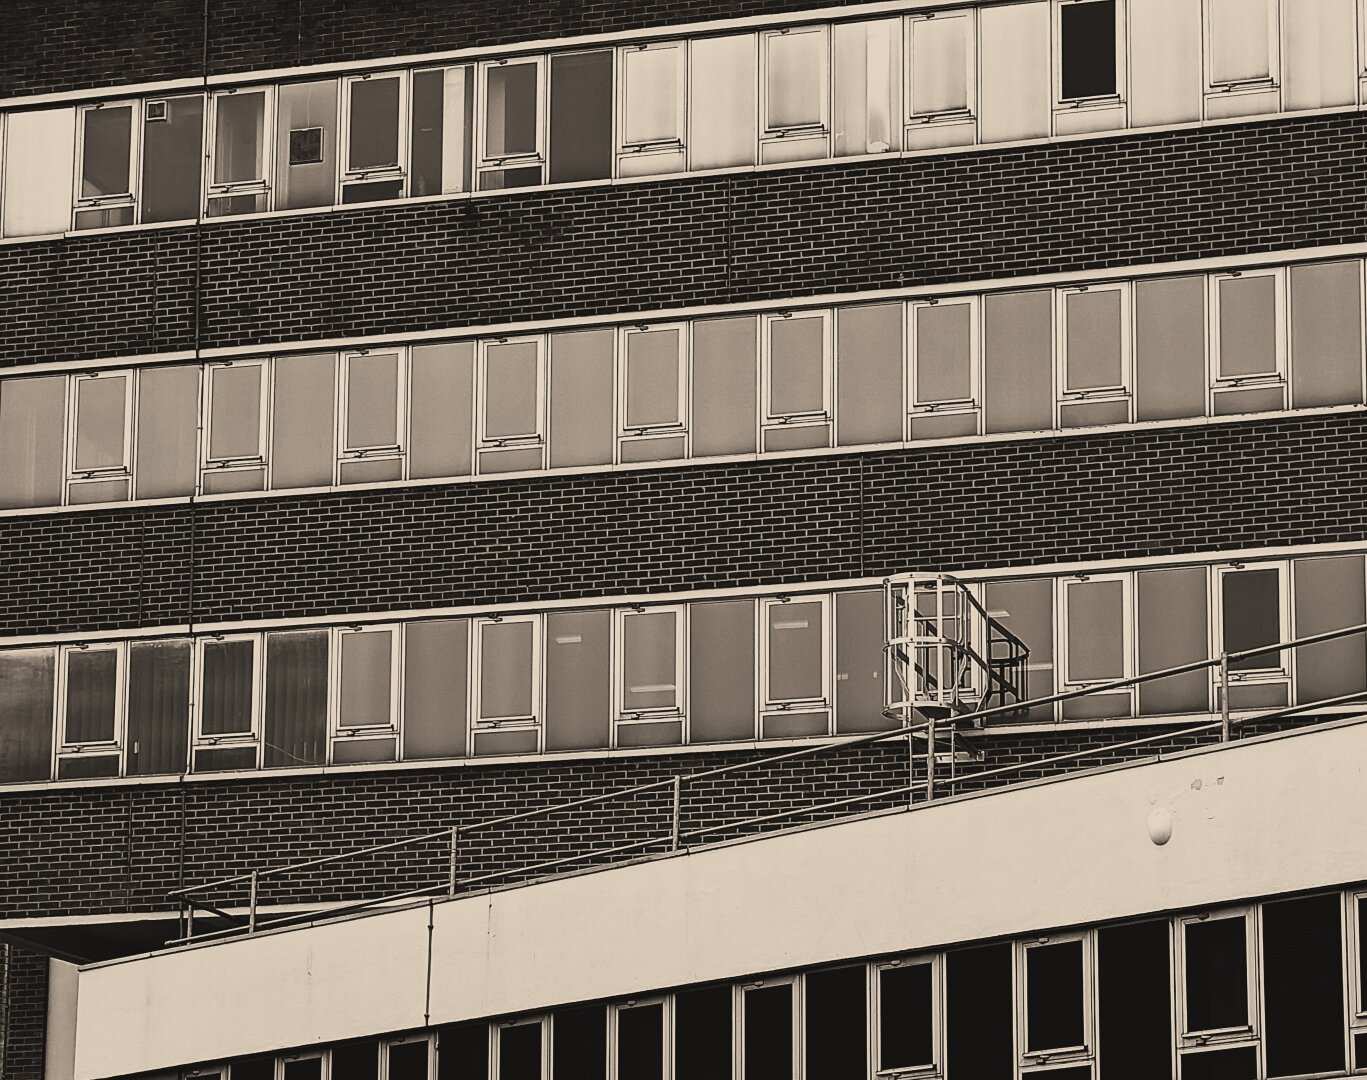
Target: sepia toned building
x,y
683,540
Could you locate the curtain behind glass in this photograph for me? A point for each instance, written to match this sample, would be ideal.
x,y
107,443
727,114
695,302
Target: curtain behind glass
x,y
296,698
158,706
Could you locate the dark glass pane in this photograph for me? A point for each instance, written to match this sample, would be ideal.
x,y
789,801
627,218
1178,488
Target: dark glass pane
x,y
1303,980
106,151
836,1029
1135,993
1053,996
1088,45
581,116
769,1033
158,706
1217,973
1240,1063
305,1069
463,1051
510,110
91,676
1362,950
1252,616
257,1068
172,160
239,137
702,1034
407,1061
906,1003
226,707
374,130
27,685
356,1060
519,1052
979,1014
296,698
640,1042
580,1043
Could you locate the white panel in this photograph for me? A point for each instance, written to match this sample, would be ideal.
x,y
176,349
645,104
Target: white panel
x,y
722,82
1165,61
455,139
59,1048
1014,71
40,148
1320,53
859,888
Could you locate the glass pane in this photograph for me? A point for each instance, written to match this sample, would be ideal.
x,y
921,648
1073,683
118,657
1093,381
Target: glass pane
x,y
510,110
581,116
939,65
906,1022
578,679
1053,996
463,1051
652,378
721,670
27,685
354,1061
1173,615
1239,40
374,124
234,412
979,1011
407,1061
649,674
768,1045
366,674
796,369
796,651
724,386
1252,616
944,353
519,1052
582,421
1096,639
1093,327
702,1034
296,698
869,367
106,151
372,400
306,168
239,137
505,672
793,91
302,452
1170,348
227,692
435,688
1088,64
866,81
651,112
100,418
511,373
835,1035
579,1042
304,1069
32,437
1135,999
1217,974
167,431
722,101
91,695
1018,360
1303,979
1248,326
1326,334
158,706
172,160
441,409
1329,595
640,1042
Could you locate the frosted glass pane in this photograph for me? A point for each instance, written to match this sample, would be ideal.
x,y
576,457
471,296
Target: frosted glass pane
x,y
866,84
722,101
649,675
944,353
505,673
1326,334
303,419
101,414
510,390
796,651
939,65
167,431
1093,327
793,80
868,372
1095,631
442,409
1248,326
724,385
581,378
1239,40
1321,59
1018,361
40,148
32,441
366,678
796,367
1016,95
652,378
234,412
372,400
651,112
1170,347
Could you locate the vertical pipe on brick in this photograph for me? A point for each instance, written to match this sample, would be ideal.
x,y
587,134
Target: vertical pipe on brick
x,y
676,813
251,905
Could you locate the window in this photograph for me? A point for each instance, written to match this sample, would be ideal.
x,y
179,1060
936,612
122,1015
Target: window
x,y
794,646
769,1030
581,116
797,378
407,1059
520,1049
306,145
835,1022
651,108
653,391
240,140
172,157
373,413
33,436
1091,44
1097,644
375,155
721,101
1253,613
867,72
941,67
367,694
228,702
1217,989
1249,319
511,404
107,156
703,1021
101,437
510,131
908,1020
1056,999
295,720
158,706
1134,997
978,1011
90,734
1095,373
27,687
302,1067
235,425
1302,964
650,683
794,76
507,684
443,126
944,367
1241,43
641,1040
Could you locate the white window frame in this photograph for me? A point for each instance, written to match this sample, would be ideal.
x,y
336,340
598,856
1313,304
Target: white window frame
x,y
912,115
622,714
478,722
1249,1033
627,149
485,441
1063,617
1356,940
263,186
124,471
738,1011
425,1038
666,1002
672,429
774,133
496,1041
485,162
1234,86
336,732
800,704
1035,1062
62,749
827,412
349,177
1124,390
1280,673
323,1056
915,404
395,449
1281,329
82,203
936,1014
200,740
257,460
1063,104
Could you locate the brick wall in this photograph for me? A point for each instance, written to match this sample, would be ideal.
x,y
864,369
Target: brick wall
x,y
707,240
25,1022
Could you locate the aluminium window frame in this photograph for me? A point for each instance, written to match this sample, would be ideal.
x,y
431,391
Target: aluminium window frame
x,y
260,460
666,1003
916,406
1217,87
1282,672
1355,941
366,732
323,1056
426,1037
624,149
263,187
937,1015
1129,618
496,1029
1039,1062
253,738
1093,101
821,128
486,442
621,714
534,721
73,477
1122,391
397,450
799,704
1248,1034
485,162
346,175
738,1012
826,414
637,433
131,198
62,749
1219,382
911,116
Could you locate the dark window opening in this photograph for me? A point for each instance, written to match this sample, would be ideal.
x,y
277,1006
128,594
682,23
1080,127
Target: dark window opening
x,y
1303,965
304,1069
579,1042
769,1033
1087,32
1252,616
702,1034
641,1042
1053,996
1216,973
356,1060
906,1004
581,116
463,1051
837,1024
90,695
1135,999
519,1052
980,1013
408,1061
257,1068
1239,1063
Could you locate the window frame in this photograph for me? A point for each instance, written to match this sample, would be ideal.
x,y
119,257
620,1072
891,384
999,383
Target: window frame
x,y
625,149
426,1038
739,1014
397,450
131,198
798,704
496,1041
911,116
1217,380
1038,1062
624,716
769,133
1272,81
62,749
937,998
1355,941
199,740
262,187
826,415
1091,101
1250,1033
346,175
484,441
1285,660
915,404
485,162
631,433
75,477
323,1056
479,722
208,463
666,1003
1128,622
366,732
1122,391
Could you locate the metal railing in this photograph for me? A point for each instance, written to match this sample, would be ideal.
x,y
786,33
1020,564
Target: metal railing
x,y
676,837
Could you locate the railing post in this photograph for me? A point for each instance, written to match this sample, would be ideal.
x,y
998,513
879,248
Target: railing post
x,y
451,869
251,904
189,919
930,758
677,813
1224,697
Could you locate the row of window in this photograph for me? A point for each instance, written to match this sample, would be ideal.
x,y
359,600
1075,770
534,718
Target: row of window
x,y
1109,352
707,672
809,91
1275,989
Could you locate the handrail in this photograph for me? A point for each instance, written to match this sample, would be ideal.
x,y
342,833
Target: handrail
x,y
188,895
